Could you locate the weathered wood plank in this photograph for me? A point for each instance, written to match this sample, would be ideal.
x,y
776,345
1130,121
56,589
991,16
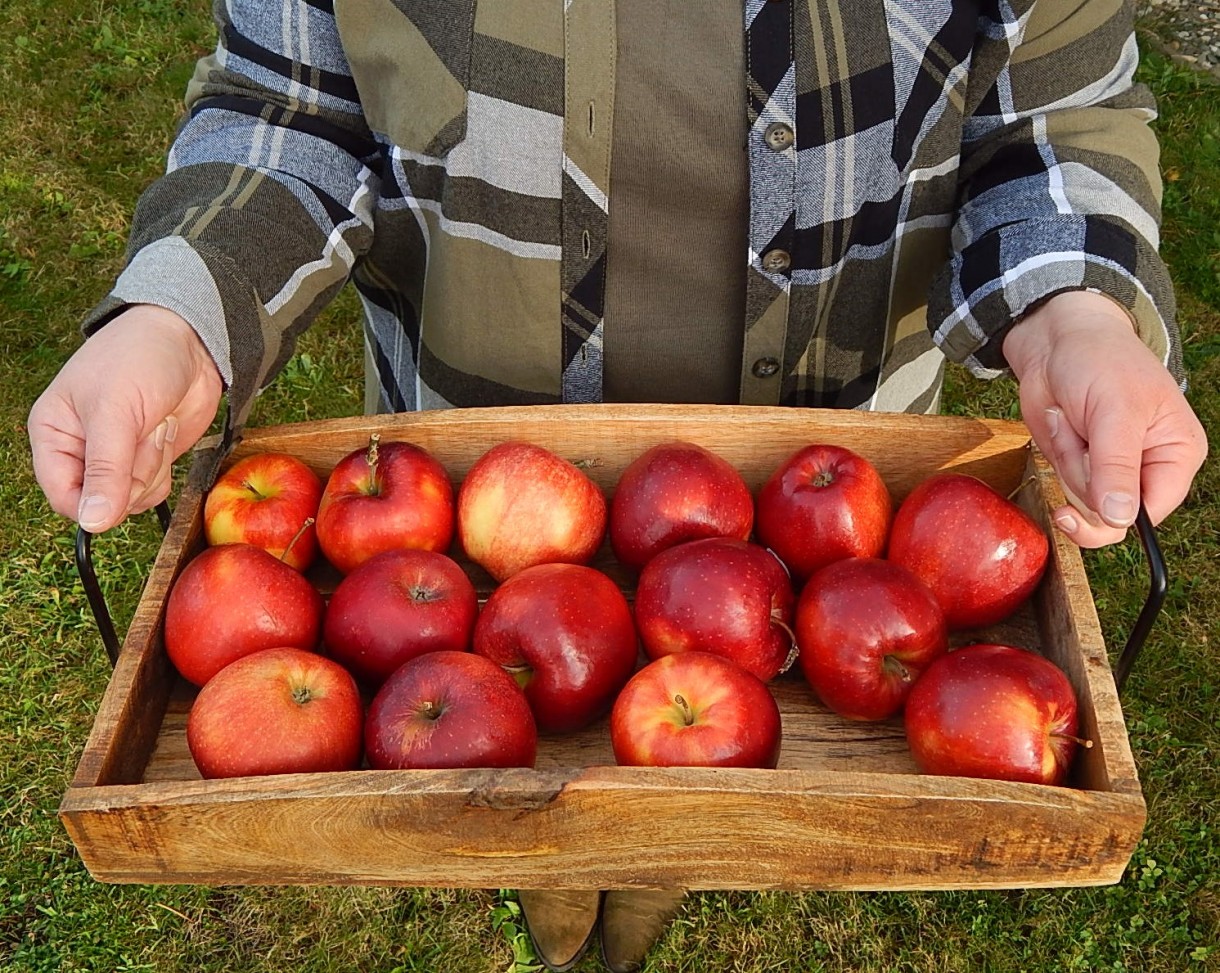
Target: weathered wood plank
x,y
605,828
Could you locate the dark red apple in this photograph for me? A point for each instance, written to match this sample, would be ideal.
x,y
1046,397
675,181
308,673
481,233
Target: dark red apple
x,y
233,600
390,496
866,629
676,492
395,606
718,595
823,504
269,500
522,505
993,711
695,710
448,710
278,711
565,632
980,553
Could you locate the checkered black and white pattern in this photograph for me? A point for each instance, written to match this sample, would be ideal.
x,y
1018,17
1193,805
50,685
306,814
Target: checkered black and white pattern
x,y
946,167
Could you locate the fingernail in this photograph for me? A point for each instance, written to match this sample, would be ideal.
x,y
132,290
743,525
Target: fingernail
x,y
166,432
94,511
1118,509
1088,472
1052,421
1067,523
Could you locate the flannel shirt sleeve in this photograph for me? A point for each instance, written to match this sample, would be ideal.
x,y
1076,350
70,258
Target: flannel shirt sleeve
x,y
268,196
1059,185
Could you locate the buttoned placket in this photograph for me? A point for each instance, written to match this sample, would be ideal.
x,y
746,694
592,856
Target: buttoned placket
x,y
590,49
771,144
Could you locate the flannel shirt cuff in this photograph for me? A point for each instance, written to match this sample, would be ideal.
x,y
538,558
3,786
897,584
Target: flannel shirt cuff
x,y
992,282
181,276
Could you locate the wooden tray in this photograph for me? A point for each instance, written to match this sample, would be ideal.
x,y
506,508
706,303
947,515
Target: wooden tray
x,y
845,809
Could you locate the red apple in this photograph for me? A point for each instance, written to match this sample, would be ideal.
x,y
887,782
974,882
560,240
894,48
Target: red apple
x,y
676,492
233,600
269,500
395,606
449,709
278,711
718,595
866,630
979,552
565,632
388,497
695,710
993,711
522,505
823,504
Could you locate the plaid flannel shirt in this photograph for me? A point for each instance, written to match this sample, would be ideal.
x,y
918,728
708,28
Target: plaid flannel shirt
x,y
922,172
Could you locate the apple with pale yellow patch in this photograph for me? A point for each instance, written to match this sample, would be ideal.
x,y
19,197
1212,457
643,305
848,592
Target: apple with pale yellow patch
x,y
391,496
695,710
268,500
277,711
522,505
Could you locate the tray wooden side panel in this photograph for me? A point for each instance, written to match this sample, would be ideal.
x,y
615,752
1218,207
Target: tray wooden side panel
x,y
1071,637
755,439
606,827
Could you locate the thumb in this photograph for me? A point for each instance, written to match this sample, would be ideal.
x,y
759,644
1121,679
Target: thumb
x,y
1114,469
110,447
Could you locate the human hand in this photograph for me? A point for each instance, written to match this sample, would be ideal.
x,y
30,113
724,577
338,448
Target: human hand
x,y
131,400
1106,413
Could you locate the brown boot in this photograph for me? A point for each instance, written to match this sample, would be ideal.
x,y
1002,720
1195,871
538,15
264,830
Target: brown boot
x,y
560,924
632,921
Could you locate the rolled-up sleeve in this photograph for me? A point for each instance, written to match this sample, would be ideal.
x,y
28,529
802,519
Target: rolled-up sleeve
x,y
268,196
1059,182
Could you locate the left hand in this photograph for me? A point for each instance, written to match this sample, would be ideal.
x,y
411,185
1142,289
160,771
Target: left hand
x,y
1106,413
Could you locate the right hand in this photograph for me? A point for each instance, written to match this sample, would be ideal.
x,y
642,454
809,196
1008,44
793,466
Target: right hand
x,y
132,399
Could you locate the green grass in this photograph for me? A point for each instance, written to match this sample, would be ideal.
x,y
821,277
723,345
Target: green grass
x,y
92,91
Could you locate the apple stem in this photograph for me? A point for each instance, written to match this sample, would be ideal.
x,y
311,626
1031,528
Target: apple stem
x,y
309,521
687,716
1087,744
1021,486
371,458
895,665
429,711
793,650
247,485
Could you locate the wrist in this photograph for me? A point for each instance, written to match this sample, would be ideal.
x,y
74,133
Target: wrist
x,y
157,321
1030,339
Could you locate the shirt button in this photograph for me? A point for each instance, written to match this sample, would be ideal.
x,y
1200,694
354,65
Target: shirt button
x,y
765,367
776,261
778,136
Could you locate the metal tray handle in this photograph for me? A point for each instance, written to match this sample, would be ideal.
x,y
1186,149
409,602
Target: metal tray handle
x,y
93,590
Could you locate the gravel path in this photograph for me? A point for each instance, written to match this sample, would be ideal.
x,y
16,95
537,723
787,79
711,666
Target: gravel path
x,y
1190,29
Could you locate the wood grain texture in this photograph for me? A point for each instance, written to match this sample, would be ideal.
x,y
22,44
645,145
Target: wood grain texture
x,y
606,827
845,809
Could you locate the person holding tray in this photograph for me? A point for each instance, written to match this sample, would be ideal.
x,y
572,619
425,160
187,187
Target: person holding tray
x,y
775,202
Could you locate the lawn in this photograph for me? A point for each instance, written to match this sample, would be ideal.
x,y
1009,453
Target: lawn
x,y
92,91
